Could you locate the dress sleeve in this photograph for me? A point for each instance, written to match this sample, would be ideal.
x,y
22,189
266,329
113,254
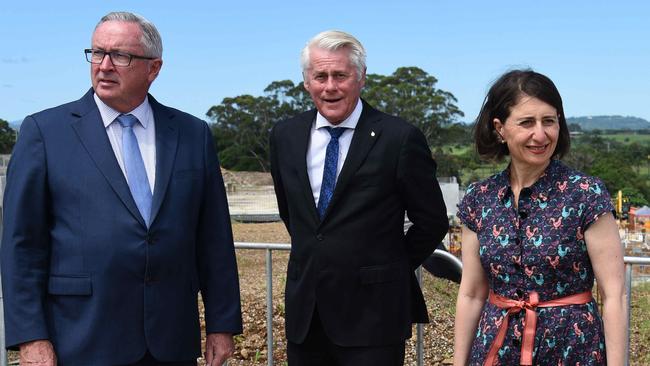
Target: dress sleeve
x,y
467,208
596,202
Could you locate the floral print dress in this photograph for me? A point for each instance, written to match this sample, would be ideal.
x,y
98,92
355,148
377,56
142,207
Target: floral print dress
x,y
538,246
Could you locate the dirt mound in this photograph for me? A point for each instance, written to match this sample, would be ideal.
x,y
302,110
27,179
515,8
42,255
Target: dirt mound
x,y
246,178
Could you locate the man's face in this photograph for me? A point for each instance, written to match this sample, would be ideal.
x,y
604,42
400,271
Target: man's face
x,y
122,87
331,80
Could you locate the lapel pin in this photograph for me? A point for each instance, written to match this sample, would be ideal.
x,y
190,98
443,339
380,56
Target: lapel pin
x,y
372,133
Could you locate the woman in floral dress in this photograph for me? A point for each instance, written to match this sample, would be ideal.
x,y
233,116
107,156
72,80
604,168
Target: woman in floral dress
x,y
534,238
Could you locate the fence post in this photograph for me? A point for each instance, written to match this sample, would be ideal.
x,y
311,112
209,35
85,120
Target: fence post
x,y
269,307
3,350
628,288
419,350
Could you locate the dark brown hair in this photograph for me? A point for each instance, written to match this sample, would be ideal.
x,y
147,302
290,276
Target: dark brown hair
x,y
505,94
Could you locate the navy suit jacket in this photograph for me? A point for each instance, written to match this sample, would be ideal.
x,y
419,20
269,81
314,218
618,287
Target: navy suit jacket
x,y
355,265
79,265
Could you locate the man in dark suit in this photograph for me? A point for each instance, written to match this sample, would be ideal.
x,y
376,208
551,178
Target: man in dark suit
x,y
115,217
344,175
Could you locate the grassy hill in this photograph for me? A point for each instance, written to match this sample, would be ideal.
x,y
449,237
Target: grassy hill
x,y
610,123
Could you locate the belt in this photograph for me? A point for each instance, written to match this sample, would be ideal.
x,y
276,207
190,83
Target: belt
x,y
528,337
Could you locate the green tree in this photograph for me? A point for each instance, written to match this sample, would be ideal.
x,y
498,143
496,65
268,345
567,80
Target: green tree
x,y
617,174
290,95
574,127
617,164
239,121
634,197
7,137
581,157
456,133
241,124
448,165
410,93
636,154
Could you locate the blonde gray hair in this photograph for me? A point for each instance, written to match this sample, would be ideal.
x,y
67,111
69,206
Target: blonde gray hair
x,y
150,39
332,40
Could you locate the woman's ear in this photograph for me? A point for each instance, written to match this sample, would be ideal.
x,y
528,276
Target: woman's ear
x,y
498,130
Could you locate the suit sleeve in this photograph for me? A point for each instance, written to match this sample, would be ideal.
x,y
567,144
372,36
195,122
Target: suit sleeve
x,y
277,180
421,194
218,276
25,239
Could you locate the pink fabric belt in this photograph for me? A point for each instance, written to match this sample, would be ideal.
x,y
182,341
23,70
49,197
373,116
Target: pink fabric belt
x,y
530,321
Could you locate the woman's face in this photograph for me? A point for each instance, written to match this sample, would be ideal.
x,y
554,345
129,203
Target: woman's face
x,y
531,132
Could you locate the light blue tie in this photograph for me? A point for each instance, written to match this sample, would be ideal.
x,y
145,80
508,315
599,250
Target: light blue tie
x,y
134,166
329,170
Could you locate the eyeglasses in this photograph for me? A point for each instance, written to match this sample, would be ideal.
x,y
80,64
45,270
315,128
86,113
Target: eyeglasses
x,y
117,58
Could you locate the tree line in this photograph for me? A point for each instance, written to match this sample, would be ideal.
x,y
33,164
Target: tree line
x,y
241,125
7,137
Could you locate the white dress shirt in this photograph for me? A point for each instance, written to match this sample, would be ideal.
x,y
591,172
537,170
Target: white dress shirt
x,y
145,133
318,141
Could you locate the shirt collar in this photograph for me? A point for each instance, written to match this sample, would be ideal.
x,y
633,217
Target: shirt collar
x,y
108,114
350,122
542,186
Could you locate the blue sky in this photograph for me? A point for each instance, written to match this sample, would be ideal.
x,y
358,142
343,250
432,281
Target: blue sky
x,y
597,52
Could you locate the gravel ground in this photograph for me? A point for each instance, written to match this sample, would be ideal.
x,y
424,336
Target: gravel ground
x,y
251,346
440,295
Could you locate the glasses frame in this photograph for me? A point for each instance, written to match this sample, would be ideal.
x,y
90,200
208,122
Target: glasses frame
x,y
89,52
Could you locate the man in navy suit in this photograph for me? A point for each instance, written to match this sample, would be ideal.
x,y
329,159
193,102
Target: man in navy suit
x,y
344,175
104,250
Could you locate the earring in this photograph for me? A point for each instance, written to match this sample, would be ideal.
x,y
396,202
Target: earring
x,y
500,138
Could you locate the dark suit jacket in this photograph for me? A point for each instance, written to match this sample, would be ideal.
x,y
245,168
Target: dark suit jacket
x,y
79,266
356,265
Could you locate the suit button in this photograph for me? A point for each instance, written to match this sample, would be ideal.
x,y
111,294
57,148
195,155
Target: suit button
x,y
319,237
149,239
523,214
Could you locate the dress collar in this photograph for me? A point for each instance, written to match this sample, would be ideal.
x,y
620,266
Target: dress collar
x,y
539,189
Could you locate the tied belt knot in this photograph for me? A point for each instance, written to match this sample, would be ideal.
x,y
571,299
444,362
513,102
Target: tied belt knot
x,y
530,321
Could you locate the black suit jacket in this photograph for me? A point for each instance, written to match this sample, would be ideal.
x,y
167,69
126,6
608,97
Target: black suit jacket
x,y
356,264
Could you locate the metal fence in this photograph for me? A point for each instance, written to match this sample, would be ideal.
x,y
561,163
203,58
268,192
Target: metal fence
x,y
270,247
3,350
629,262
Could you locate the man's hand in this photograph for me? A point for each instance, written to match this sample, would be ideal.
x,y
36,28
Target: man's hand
x,y
37,353
218,347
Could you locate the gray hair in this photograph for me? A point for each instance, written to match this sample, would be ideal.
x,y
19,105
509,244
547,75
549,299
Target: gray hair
x,y
150,39
333,40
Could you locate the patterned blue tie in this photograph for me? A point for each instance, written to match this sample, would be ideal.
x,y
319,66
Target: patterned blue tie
x,y
134,166
329,170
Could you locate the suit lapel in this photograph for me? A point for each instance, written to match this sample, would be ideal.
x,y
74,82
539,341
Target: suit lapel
x,y
365,135
166,145
92,134
303,136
